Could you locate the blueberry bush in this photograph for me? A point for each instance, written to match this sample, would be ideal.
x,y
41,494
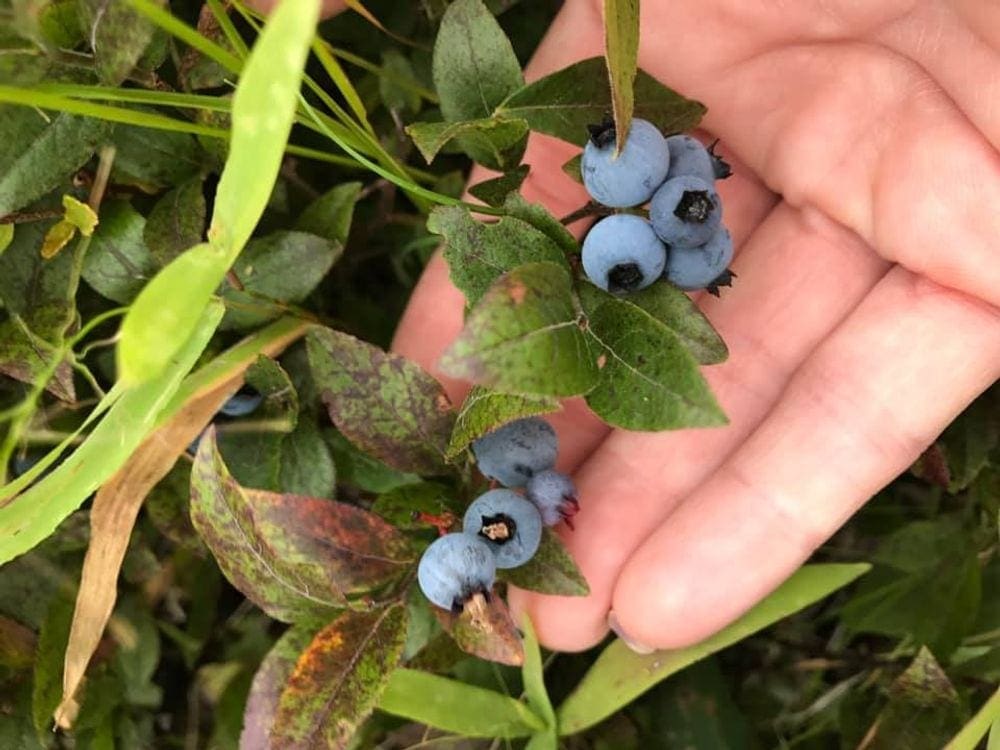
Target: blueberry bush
x,y
231,517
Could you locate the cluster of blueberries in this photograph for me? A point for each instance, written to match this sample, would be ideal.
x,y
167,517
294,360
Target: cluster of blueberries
x,y
501,528
684,239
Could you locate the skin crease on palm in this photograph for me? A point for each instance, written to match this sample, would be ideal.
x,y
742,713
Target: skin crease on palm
x,y
864,140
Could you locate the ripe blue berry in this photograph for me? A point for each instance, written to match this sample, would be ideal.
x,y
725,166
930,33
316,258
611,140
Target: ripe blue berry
x,y
622,253
455,567
632,177
508,523
685,211
689,157
513,453
243,402
701,267
554,494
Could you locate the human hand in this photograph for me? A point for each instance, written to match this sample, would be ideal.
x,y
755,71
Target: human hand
x,y
863,319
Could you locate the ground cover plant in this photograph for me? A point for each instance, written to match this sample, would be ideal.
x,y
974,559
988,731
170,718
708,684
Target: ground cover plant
x,y
231,517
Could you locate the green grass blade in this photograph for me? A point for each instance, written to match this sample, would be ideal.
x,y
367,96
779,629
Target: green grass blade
x,y
226,24
972,733
620,675
177,28
32,516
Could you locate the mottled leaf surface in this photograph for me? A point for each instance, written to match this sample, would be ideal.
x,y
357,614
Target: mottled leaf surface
x,y
648,379
269,683
118,262
551,571
400,505
155,159
176,222
474,67
338,678
674,309
494,142
485,629
36,154
494,192
539,217
524,336
119,35
283,267
477,252
563,103
484,411
295,557
382,402
329,216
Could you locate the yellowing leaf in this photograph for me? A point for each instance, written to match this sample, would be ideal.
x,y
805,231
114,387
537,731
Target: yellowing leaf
x,y
80,215
57,238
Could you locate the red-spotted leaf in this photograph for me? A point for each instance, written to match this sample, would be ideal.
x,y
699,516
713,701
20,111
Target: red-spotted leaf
x,y
338,678
297,558
385,404
269,684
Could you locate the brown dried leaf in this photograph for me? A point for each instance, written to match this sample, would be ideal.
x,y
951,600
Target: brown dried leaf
x,y
485,629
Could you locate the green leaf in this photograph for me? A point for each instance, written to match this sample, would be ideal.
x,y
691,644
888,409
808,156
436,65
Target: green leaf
x,y
620,675
118,35
533,678
118,262
295,557
524,336
621,44
456,707
80,215
49,663
37,155
329,216
283,267
475,67
155,159
674,309
166,311
269,683
6,236
131,414
477,253
648,379
971,438
551,571
338,679
263,110
926,586
355,468
38,295
399,505
177,222
987,719
573,168
382,402
563,103
396,68
923,710
539,217
484,411
496,143
494,192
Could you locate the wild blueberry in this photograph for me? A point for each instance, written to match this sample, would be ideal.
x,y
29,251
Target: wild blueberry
x,y
508,523
244,401
689,157
685,211
720,167
454,568
701,267
630,178
622,253
513,453
554,494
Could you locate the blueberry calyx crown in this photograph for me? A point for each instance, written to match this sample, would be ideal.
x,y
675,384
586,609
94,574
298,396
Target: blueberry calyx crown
x,y
694,207
498,529
723,279
459,602
720,166
603,134
625,277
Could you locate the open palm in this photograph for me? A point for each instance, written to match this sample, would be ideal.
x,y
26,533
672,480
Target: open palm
x,y
864,207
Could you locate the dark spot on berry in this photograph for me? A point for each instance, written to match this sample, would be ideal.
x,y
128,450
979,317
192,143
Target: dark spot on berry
x,y
524,471
624,277
498,529
720,166
694,207
603,134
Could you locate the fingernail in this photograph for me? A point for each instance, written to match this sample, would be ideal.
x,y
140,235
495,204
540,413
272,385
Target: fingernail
x,y
616,628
